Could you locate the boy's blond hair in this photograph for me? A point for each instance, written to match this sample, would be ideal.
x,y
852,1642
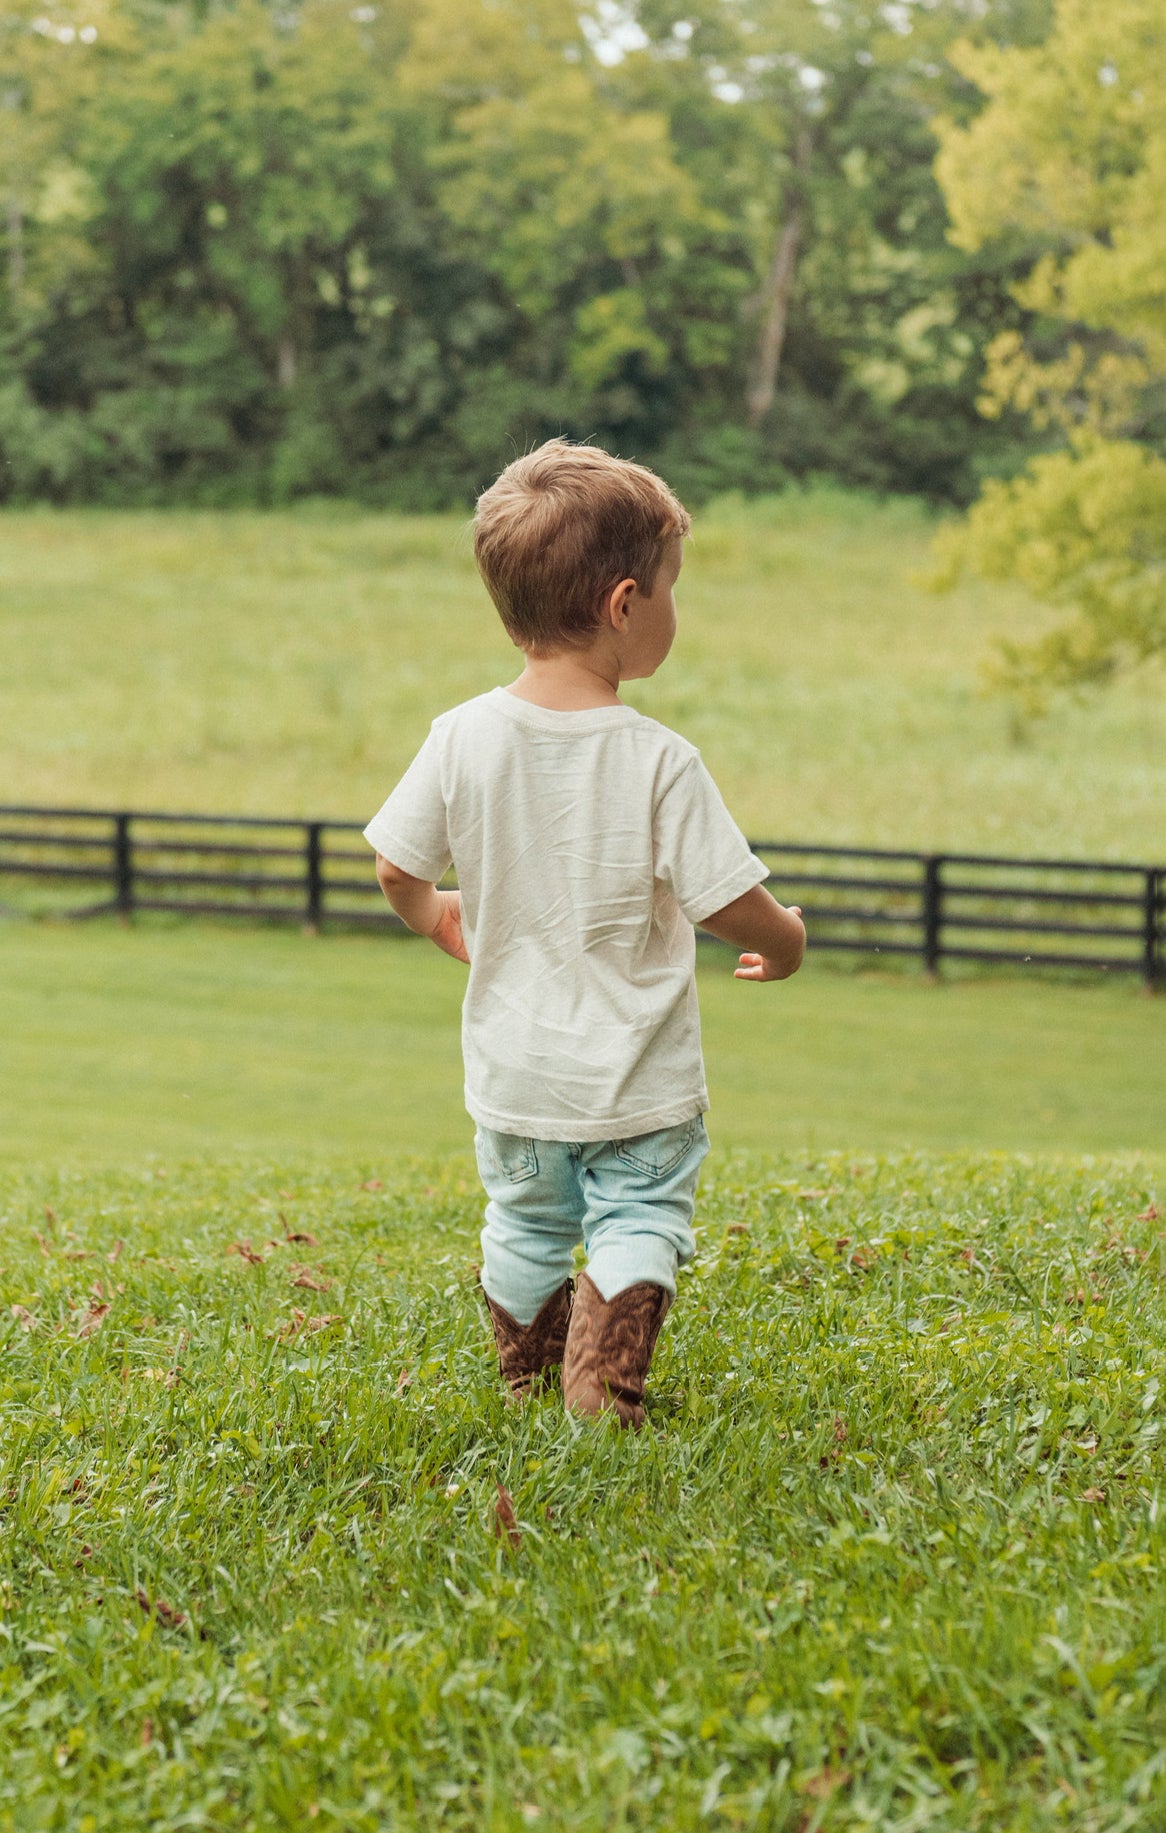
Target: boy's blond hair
x,y
560,528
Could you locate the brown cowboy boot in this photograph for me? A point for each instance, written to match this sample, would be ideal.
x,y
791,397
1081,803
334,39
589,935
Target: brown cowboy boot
x,y
609,1348
527,1351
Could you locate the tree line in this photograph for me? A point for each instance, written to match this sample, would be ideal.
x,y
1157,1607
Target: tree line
x,y
261,250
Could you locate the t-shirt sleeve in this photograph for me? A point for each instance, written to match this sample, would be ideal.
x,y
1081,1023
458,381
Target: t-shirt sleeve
x,y
411,829
700,852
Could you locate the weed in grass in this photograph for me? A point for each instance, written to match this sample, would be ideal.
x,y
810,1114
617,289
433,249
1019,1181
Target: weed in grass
x,y
888,1556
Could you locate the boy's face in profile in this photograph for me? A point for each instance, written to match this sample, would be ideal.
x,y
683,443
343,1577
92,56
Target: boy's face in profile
x,y
651,619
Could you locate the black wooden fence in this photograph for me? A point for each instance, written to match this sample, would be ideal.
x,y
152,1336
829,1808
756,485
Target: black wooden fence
x,y
1061,913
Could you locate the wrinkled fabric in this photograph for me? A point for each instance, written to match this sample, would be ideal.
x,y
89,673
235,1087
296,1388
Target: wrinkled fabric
x,y
586,845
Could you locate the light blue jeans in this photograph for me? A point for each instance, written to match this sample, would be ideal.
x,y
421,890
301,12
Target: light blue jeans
x,y
629,1201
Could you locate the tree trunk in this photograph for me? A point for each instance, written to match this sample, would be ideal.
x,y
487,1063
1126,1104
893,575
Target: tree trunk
x,y
776,291
285,362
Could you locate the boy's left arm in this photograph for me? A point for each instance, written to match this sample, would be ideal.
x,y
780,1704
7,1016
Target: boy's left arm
x,y
423,908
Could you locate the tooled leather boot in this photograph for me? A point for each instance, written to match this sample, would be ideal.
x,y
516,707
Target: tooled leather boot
x,y
609,1349
527,1351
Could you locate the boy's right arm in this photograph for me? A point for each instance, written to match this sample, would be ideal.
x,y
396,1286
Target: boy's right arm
x,y
773,939
423,908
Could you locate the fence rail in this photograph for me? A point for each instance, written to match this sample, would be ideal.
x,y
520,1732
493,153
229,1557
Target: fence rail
x,y
936,907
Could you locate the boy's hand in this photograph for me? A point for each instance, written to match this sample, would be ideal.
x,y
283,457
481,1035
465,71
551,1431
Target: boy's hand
x,y
448,931
772,934
759,967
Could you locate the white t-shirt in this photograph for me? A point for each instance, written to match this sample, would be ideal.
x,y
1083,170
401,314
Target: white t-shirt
x,y
586,845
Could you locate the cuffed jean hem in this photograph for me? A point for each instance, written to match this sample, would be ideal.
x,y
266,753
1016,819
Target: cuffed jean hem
x,y
630,1201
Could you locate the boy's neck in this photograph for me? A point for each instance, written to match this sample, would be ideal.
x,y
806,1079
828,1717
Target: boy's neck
x,y
570,681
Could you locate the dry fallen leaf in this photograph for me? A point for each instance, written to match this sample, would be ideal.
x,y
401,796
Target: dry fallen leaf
x,y
246,1252
505,1520
840,1434
403,1379
25,1317
311,1281
372,1183
115,1252
827,1782
166,1614
93,1319
1152,1214
299,1322
298,1235
167,1376
1093,1495
50,1215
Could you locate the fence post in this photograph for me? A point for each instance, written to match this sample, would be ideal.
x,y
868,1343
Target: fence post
x,y
1151,962
123,867
932,912
314,874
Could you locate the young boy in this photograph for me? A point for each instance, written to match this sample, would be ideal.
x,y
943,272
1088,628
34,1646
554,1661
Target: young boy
x,y
588,840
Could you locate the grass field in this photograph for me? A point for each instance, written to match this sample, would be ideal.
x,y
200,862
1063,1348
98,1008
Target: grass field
x,y
191,1041
889,1556
290,664
890,1553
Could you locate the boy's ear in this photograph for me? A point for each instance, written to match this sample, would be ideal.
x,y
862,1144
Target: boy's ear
x,y
617,603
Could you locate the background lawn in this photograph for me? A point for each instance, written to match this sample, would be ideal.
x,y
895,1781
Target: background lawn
x,y
192,1040
289,664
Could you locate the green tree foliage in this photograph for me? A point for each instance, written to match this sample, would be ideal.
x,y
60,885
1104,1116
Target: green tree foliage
x,y
577,207
255,252
864,333
1068,162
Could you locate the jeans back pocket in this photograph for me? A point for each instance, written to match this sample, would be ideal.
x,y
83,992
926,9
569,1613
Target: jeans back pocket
x,y
507,1155
656,1154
